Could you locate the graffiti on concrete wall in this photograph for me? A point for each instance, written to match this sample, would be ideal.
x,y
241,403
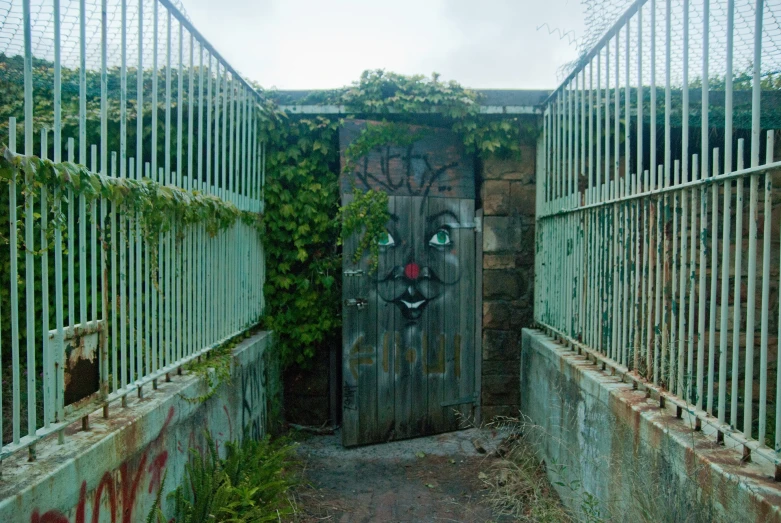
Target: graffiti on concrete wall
x,y
118,488
253,399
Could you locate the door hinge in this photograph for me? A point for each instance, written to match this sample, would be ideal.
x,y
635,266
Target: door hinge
x,y
475,225
358,303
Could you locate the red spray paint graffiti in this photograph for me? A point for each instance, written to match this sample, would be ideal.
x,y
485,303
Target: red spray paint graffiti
x,y
129,488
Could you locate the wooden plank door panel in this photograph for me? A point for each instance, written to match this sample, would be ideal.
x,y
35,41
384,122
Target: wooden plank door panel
x,y
409,347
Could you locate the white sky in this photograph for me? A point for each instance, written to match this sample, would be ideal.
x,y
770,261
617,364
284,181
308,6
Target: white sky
x,y
311,44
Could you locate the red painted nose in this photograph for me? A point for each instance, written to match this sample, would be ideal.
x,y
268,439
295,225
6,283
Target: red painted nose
x,y
412,271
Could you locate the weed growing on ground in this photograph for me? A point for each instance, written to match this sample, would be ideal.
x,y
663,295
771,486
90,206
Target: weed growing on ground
x,y
519,486
250,484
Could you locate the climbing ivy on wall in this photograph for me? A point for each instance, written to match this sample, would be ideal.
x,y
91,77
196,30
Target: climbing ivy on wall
x,y
303,222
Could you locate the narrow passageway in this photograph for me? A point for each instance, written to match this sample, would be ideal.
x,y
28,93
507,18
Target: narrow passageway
x,y
435,478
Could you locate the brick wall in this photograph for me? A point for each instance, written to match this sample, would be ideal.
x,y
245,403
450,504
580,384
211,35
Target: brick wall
x,y
508,196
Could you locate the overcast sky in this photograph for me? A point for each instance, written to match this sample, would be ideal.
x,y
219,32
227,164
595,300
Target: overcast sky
x,y
319,44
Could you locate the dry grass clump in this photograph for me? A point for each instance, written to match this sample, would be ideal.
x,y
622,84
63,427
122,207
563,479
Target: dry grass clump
x,y
519,487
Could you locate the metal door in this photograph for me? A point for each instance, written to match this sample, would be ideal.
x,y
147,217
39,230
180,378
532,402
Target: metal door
x,y
409,326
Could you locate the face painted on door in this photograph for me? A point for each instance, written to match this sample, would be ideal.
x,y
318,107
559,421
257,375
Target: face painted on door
x,y
418,260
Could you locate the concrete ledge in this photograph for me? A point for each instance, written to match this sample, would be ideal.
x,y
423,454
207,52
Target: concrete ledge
x,y
112,471
612,452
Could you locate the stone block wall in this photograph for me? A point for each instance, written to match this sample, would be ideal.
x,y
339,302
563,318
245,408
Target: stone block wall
x,y
508,200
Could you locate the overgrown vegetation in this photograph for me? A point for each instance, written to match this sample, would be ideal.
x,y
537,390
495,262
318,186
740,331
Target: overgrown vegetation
x,y
518,484
303,222
250,484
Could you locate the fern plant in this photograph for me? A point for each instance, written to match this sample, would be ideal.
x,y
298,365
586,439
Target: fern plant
x,y
249,484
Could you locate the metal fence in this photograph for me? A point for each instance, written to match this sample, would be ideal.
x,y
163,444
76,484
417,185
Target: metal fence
x,y
96,299
657,241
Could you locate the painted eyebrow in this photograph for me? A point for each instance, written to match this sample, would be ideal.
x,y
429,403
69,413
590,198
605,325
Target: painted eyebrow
x,y
442,213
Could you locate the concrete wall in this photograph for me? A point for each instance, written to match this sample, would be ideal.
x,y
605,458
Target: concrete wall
x,y
508,201
612,452
112,472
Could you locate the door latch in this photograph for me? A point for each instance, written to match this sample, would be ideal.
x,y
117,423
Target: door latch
x,y
357,272
358,303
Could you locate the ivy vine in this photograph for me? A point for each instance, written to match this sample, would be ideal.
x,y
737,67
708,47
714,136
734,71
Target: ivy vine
x,y
303,223
158,207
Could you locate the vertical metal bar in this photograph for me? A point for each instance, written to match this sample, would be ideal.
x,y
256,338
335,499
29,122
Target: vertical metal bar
x,y
201,185
640,147
128,319
153,108
82,93
763,343
167,138
71,250
48,404
751,296
140,95
727,221
179,182
103,86
667,97
122,218
151,355
142,337
121,297
672,319
681,386
702,273
57,93
714,272
209,131
55,359
231,316
652,124
685,101
94,237
113,247
29,222
225,311
692,290
658,341
705,151
13,241
738,289
190,174
756,87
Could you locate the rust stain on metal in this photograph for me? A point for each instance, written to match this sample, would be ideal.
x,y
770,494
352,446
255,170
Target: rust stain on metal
x,y
82,371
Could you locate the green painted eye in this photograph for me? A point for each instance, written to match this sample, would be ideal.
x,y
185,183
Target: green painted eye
x,y
440,238
386,240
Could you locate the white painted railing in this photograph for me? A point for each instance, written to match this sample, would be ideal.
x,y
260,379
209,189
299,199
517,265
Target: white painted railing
x,y
119,300
657,249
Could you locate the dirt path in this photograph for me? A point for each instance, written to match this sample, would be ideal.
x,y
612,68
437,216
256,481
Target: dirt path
x,y
426,479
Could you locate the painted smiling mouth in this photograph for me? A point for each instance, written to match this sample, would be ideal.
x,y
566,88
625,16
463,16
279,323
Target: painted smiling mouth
x,y
412,303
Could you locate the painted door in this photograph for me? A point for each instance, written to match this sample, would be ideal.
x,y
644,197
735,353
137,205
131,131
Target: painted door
x,y
409,326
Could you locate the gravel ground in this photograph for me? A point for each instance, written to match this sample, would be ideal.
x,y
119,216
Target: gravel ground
x,y
435,478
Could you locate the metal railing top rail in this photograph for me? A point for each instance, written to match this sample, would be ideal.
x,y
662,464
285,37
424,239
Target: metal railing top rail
x,y
207,45
584,60
703,182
